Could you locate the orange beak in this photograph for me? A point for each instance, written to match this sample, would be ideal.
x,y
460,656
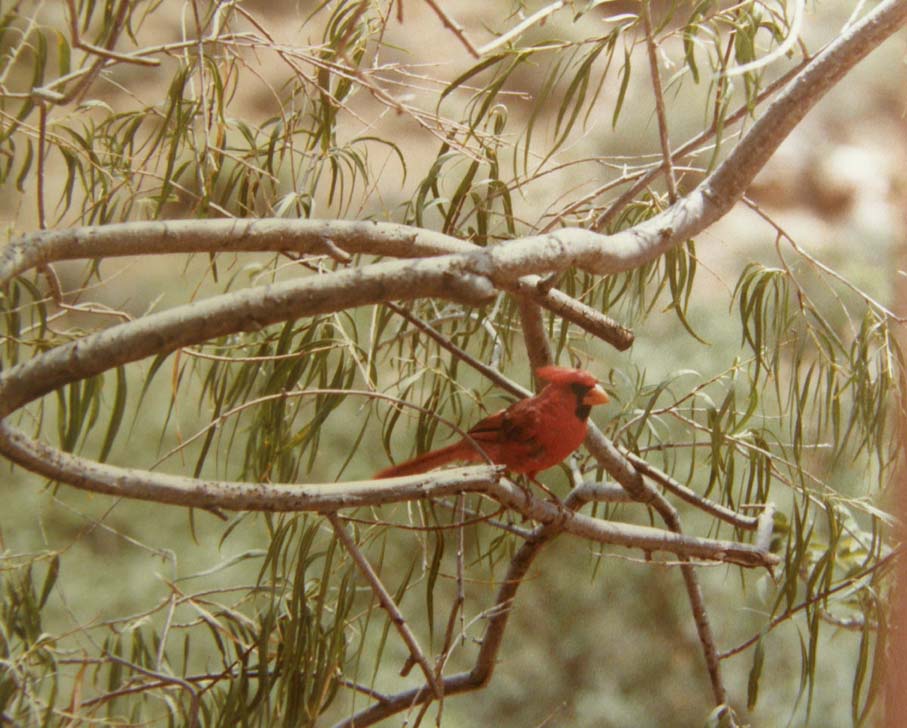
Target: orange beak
x,y
595,396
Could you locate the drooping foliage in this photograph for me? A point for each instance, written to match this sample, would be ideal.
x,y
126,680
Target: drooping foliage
x,y
766,377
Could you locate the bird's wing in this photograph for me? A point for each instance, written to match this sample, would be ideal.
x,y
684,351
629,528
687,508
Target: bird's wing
x,y
516,424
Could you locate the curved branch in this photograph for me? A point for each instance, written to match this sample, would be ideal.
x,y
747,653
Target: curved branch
x,y
718,193
306,237
234,495
178,490
510,260
169,237
733,176
247,310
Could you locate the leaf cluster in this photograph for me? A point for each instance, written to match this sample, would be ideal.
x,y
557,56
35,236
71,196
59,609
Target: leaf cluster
x,y
799,410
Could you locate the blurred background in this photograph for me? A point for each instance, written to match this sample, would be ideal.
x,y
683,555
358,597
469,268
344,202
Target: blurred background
x,y
597,638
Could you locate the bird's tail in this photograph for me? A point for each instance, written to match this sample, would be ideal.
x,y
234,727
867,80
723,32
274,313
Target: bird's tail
x,y
433,459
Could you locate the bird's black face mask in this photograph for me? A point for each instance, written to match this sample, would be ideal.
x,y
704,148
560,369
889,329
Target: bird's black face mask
x,y
582,409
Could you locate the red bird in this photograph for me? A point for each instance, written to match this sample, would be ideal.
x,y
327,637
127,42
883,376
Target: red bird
x,y
529,436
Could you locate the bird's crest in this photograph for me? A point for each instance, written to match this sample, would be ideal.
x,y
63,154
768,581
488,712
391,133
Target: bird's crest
x,y
565,375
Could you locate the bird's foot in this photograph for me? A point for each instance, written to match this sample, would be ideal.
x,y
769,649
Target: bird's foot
x,y
552,497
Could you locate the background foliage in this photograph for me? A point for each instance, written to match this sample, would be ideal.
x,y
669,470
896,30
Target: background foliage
x,y
766,365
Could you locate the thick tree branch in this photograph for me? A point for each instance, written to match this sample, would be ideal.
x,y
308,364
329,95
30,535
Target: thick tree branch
x,y
279,497
247,310
628,476
493,637
447,268
178,490
574,311
224,236
535,339
509,260
306,237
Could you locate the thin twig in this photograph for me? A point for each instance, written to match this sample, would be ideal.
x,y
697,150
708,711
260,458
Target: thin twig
x,y
454,27
42,156
722,84
703,626
489,372
171,679
387,603
460,599
85,76
537,17
820,265
622,470
165,630
793,36
579,202
744,110
667,164
374,694
105,53
818,597
223,417
475,519
681,491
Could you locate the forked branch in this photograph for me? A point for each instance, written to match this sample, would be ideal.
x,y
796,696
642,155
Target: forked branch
x,y
430,265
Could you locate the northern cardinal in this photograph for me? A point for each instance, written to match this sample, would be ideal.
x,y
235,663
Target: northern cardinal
x,y
529,436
